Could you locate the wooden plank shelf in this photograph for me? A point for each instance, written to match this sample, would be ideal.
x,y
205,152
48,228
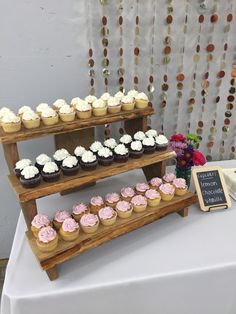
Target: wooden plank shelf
x,y
85,242
78,124
86,177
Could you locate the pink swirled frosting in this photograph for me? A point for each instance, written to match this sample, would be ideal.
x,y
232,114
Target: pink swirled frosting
x,y
156,181
167,188
169,177
179,183
127,192
139,200
47,234
61,215
106,212
79,208
112,197
70,225
40,221
89,220
152,194
97,201
123,206
142,187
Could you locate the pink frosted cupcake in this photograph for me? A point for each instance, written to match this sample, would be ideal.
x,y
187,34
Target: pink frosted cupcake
x,y
153,197
124,209
38,223
139,203
169,177
89,223
167,191
96,203
69,230
155,183
78,210
127,193
112,199
107,216
180,186
141,188
47,239
60,216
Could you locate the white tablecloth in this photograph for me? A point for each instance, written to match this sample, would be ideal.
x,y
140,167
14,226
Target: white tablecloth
x,y
173,266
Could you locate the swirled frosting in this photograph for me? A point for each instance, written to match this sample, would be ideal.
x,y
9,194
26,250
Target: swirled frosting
x,y
29,172
50,167
30,115
59,103
79,151
96,200
142,96
112,197
90,99
169,177
156,181
161,139
79,208
104,152
127,192
139,200
74,101
151,133
99,103
61,154
89,220
4,110
70,162
47,234
149,141
152,194
126,139
167,188
42,107
141,186
179,183
110,143
105,96
48,112
65,109
70,225
61,215
139,136
10,117
119,95
106,212
121,150
88,157
113,101
42,159
82,105
24,109
21,164
123,206
133,93
95,146
136,146
127,99
40,221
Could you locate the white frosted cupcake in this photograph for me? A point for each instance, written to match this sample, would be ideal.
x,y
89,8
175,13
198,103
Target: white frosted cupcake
x,y
105,97
95,146
99,108
121,153
141,101
75,101
161,142
30,177
11,122
119,95
41,107
23,109
3,110
88,161
21,164
136,149
127,103
83,109
30,119
110,143
90,99
67,113
79,151
41,160
50,172
126,139
133,93
149,145
58,104
60,155
70,166
139,136
113,105
105,156
49,116
151,133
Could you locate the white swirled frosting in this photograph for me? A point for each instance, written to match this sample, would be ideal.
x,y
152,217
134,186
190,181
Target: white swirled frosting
x,y
99,103
127,99
161,139
105,96
41,107
110,143
142,96
149,141
30,115
59,103
113,101
48,112
136,145
105,152
119,95
95,146
4,110
88,157
126,139
21,164
29,172
133,93
90,99
24,109
151,133
79,151
121,149
10,117
61,154
82,105
70,162
42,159
50,167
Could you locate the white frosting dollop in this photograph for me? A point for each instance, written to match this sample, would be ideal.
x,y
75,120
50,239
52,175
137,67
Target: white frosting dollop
x,y
29,172
88,157
133,93
113,101
42,107
48,112
4,110
119,95
149,141
136,145
30,115
65,109
105,152
74,101
139,136
99,103
105,96
95,146
110,143
24,109
82,105
61,154
70,162
10,117
121,149
79,151
59,103
151,133
42,159
90,99
50,167
126,139
21,164
161,139
142,96
127,99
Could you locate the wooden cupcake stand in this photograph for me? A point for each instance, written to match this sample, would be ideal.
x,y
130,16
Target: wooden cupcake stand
x,y
81,132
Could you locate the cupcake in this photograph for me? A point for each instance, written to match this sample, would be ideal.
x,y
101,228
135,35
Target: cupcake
x,y
107,216
3,111
139,203
110,143
105,156
49,116
161,142
126,139
113,105
47,239
38,223
59,217
90,99
70,166
121,153
153,197
83,110
133,93
112,199
180,186
139,136
105,97
149,145
41,160
95,147
58,104
30,177
124,209
88,161
24,109
78,210
20,165
151,133
75,101
99,108
10,122
30,120
50,172
79,151
127,103
96,203
155,183
60,155
141,188
136,149
119,95
141,101
169,177
167,191
127,193
69,230
67,113
89,223
41,107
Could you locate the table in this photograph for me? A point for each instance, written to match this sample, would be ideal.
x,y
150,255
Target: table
x,y
173,266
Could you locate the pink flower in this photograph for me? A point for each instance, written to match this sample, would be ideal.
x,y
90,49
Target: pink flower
x,y
198,158
178,137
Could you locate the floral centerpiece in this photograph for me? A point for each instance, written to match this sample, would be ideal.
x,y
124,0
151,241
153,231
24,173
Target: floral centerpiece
x,y
187,154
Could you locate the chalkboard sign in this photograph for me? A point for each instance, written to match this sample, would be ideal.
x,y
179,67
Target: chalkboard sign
x,y
211,188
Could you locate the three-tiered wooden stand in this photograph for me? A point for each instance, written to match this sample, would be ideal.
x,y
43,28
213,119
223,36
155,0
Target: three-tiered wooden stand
x,y
81,132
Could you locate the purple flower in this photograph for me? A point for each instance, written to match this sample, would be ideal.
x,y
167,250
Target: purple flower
x,y
178,147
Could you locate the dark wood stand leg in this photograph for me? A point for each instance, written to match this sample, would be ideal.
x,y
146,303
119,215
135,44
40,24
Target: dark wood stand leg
x,y
183,212
11,155
135,125
29,210
155,170
52,273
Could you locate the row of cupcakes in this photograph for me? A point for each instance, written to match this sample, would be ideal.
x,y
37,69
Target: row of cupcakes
x,y
104,211
82,108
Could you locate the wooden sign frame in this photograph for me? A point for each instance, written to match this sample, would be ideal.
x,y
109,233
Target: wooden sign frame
x,y
205,208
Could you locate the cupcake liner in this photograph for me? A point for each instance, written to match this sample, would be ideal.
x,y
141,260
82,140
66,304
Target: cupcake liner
x,y
149,149
135,154
121,158
70,171
51,177
105,161
89,166
30,183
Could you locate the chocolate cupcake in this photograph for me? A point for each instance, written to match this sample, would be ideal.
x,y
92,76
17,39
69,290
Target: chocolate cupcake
x,y
105,156
70,166
126,139
60,155
110,143
151,133
20,165
139,136
79,151
161,142
95,147
30,177
121,153
41,160
136,149
149,145
88,161
50,172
